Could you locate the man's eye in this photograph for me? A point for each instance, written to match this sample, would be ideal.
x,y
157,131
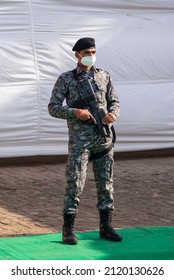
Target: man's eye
x,y
90,52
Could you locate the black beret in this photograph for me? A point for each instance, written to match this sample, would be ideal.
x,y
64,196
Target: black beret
x,y
84,43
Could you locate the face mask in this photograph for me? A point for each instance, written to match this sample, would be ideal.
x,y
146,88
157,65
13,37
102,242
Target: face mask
x,y
88,60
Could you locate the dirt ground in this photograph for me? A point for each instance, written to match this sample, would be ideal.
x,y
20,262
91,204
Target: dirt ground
x,y
31,195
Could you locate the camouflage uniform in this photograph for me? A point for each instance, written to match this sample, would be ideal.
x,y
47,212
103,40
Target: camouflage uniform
x,y
84,137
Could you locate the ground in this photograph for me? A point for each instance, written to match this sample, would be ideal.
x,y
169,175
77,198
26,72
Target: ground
x,y
31,195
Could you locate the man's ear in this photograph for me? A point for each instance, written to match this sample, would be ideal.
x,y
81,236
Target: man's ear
x,y
77,55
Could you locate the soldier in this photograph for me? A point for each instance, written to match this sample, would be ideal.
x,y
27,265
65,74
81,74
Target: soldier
x,y
85,141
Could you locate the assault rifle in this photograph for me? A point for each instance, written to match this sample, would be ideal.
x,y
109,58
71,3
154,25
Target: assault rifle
x,y
91,100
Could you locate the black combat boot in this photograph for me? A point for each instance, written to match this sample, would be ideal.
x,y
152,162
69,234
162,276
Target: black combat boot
x,y
106,230
68,233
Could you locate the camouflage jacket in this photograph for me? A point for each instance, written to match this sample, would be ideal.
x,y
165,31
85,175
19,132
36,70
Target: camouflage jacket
x,y
66,88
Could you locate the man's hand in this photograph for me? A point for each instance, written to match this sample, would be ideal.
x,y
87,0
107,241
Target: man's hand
x,y
84,115
109,118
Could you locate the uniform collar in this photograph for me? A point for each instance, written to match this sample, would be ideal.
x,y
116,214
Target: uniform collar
x,y
79,69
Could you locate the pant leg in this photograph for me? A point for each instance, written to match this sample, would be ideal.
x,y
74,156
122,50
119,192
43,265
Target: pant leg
x,y
75,175
103,172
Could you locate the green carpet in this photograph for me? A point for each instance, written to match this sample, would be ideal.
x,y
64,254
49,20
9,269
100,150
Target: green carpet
x,y
141,243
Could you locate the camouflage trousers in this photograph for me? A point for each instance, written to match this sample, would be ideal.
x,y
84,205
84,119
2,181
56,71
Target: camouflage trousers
x,y
76,169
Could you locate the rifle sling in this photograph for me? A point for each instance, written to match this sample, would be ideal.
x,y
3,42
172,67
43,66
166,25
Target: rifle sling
x,y
94,155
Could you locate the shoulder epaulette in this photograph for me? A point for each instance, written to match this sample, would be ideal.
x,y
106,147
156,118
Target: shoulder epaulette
x,y
99,69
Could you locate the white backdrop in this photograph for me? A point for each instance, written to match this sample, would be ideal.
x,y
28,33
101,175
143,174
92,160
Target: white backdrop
x,y
135,43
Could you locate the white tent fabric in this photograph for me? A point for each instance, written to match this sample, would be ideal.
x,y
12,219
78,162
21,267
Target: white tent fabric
x,y
135,43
